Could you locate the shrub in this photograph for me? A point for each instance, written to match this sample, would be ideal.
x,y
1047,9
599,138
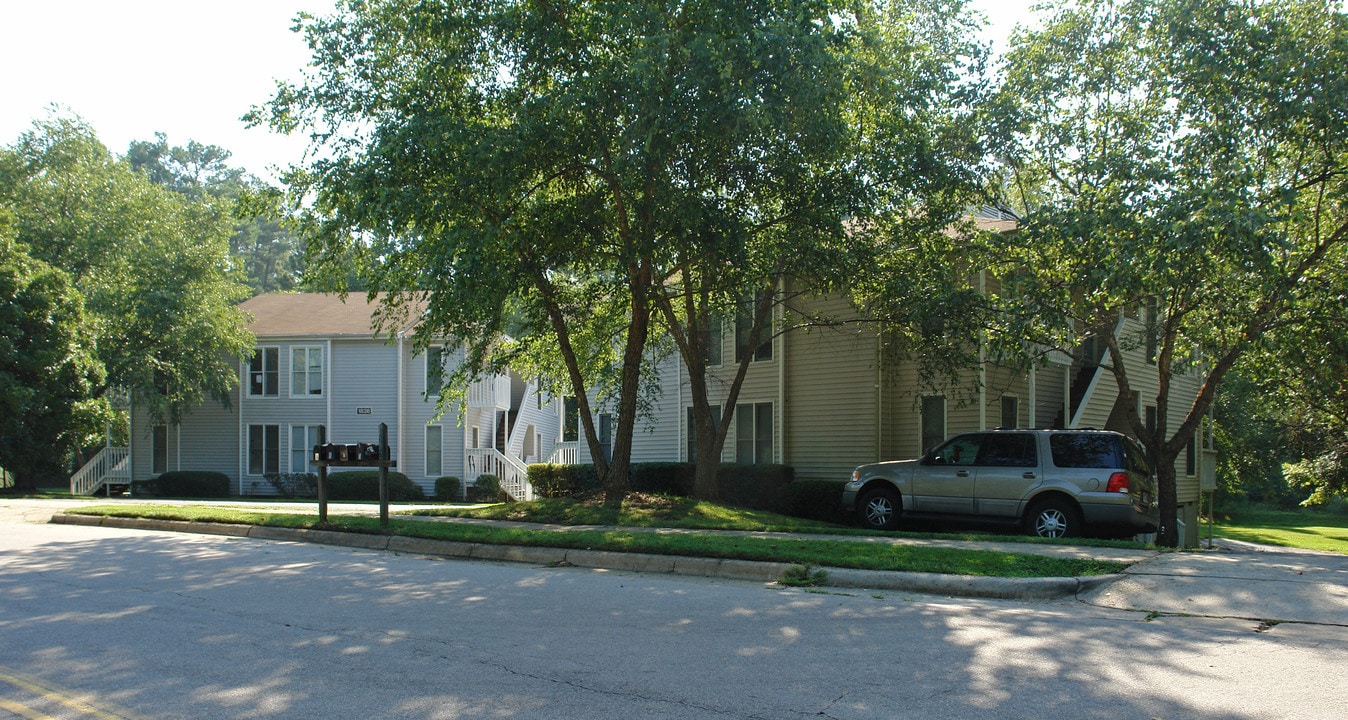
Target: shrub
x,y
364,485
760,487
294,485
185,483
487,488
663,478
815,500
448,488
562,480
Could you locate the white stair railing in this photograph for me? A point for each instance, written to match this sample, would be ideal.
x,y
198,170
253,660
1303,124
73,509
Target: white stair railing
x,y
111,464
512,472
565,453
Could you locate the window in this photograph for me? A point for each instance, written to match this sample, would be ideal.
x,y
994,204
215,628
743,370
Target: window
x,y
306,371
753,433
434,452
1086,450
692,429
1010,412
744,322
264,452
933,421
159,449
606,435
1009,450
713,336
303,438
570,420
263,373
1191,456
1149,415
962,450
435,370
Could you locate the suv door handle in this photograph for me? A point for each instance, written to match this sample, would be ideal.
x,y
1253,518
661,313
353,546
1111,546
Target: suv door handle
x,y
1028,475
961,473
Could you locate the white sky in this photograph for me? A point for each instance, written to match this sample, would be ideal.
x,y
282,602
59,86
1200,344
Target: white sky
x,y
187,68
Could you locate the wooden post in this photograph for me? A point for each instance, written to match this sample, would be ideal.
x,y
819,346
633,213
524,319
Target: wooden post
x,y
322,477
383,474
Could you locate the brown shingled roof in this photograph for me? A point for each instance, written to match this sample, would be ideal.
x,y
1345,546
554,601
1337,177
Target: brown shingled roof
x,y
312,314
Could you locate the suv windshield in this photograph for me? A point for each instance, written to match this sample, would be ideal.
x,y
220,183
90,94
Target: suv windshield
x,y
1084,450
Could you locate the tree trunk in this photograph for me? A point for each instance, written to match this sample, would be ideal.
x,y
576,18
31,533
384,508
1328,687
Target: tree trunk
x,y
1166,493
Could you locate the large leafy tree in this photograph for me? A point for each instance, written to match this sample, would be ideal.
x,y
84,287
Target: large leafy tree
x,y
266,252
1187,158
47,365
151,265
588,174
789,204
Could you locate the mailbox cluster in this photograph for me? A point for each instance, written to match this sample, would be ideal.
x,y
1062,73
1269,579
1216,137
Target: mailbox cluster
x,y
349,453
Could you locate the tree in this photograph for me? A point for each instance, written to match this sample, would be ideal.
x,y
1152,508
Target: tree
x,y
151,265
788,204
47,368
267,253
569,170
1192,160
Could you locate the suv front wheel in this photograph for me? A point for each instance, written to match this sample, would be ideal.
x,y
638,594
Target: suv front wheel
x,y
879,509
1053,518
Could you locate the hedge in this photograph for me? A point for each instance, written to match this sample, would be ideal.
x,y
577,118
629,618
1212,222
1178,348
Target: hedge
x,y
364,485
815,500
185,483
756,486
448,489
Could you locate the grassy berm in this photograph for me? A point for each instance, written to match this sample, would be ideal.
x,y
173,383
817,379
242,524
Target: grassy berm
x,y
635,527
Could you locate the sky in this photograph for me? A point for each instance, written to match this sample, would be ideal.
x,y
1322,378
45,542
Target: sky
x,y
187,68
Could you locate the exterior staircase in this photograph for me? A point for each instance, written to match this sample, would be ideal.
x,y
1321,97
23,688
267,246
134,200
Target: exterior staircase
x,y
109,470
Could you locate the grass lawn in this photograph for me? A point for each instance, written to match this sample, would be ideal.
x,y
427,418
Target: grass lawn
x,y
805,552
1306,529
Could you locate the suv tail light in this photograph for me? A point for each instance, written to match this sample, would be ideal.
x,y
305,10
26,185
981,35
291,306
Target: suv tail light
x,y
1118,482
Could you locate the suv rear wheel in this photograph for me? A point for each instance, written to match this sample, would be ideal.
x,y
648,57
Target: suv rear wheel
x,y
1053,518
879,509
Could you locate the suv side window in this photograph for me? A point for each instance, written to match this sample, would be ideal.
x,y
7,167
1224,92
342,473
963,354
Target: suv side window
x,y
1137,457
1085,450
962,450
1009,449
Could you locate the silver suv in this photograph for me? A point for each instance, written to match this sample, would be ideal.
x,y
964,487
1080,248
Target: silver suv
x,y
1056,483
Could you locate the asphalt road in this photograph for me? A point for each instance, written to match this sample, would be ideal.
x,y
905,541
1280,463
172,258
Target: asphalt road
x,y
109,623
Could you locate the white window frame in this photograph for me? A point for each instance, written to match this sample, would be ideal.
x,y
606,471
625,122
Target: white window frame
x,y
274,450
438,469
304,450
748,414
306,370
274,370
433,384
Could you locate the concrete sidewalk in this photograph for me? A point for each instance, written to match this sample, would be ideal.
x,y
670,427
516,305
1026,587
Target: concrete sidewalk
x,y
1235,580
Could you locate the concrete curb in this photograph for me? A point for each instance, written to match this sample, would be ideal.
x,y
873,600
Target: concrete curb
x,y
753,571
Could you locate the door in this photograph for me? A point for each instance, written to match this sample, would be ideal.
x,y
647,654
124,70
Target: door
x,y
944,481
1008,468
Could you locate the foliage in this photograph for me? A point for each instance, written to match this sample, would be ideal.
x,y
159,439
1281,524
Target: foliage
x,y
804,576
294,485
1254,439
185,484
47,369
561,172
560,480
364,485
151,264
815,500
448,489
1185,155
487,488
269,254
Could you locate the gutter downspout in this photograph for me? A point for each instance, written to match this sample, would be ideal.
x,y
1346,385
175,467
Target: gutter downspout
x,y
401,392
781,380
982,361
